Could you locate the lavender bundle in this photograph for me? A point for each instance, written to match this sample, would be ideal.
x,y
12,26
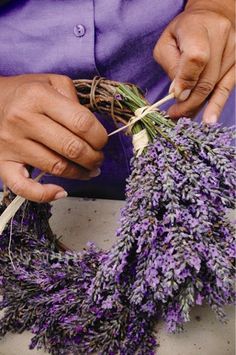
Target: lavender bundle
x,y
175,245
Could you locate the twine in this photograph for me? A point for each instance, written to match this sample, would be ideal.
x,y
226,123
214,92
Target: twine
x,y
142,112
140,141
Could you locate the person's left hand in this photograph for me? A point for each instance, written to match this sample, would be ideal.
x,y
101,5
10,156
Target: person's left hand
x,y
197,50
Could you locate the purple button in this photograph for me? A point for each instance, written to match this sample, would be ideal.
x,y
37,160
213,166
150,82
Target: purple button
x,y
79,30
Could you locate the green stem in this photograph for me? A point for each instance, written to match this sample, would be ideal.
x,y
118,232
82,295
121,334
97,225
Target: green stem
x,y
152,121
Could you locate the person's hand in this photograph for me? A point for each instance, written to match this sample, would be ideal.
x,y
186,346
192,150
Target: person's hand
x,y
197,50
43,125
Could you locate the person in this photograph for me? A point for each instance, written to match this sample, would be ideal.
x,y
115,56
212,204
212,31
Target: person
x,y
45,44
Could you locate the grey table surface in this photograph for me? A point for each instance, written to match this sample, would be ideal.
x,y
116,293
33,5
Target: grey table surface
x,y
80,220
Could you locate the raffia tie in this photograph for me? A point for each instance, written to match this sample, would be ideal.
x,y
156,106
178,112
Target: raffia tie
x,y
14,206
140,140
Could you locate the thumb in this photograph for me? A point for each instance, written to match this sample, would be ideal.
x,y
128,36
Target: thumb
x,y
16,177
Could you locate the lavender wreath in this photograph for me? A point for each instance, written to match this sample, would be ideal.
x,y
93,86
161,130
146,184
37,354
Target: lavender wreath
x,y
175,245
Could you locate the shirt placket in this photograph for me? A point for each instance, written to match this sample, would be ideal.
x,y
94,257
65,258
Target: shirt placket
x,y
84,39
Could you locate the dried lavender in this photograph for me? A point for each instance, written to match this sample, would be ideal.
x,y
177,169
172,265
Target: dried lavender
x,y
47,292
175,227
175,248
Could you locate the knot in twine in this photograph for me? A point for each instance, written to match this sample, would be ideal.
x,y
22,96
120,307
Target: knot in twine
x,y
140,140
142,112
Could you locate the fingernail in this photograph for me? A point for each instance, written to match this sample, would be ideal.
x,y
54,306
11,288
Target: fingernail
x,y
60,194
171,89
95,173
211,120
184,95
26,173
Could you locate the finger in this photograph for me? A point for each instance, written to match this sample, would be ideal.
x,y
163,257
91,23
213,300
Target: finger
x,y
228,58
38,156
219,97
167,54
64,85
194,49
182,58
62,141
15,177
203,88
75,117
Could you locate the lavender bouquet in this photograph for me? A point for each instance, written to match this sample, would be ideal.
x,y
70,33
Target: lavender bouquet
x,y
175,245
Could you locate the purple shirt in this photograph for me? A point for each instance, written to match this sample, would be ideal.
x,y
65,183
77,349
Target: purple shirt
x,y
83,38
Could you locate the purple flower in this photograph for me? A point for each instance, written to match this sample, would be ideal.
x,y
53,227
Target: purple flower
x,y
174,249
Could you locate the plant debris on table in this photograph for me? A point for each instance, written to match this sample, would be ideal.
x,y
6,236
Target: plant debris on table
x,y
175,246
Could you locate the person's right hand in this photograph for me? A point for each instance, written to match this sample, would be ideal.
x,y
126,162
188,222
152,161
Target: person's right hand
x,y
43,125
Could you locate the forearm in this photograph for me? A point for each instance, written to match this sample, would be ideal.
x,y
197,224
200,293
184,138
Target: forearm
x,y
225,8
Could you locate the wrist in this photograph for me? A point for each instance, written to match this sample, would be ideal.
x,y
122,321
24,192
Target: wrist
x,y
225,8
